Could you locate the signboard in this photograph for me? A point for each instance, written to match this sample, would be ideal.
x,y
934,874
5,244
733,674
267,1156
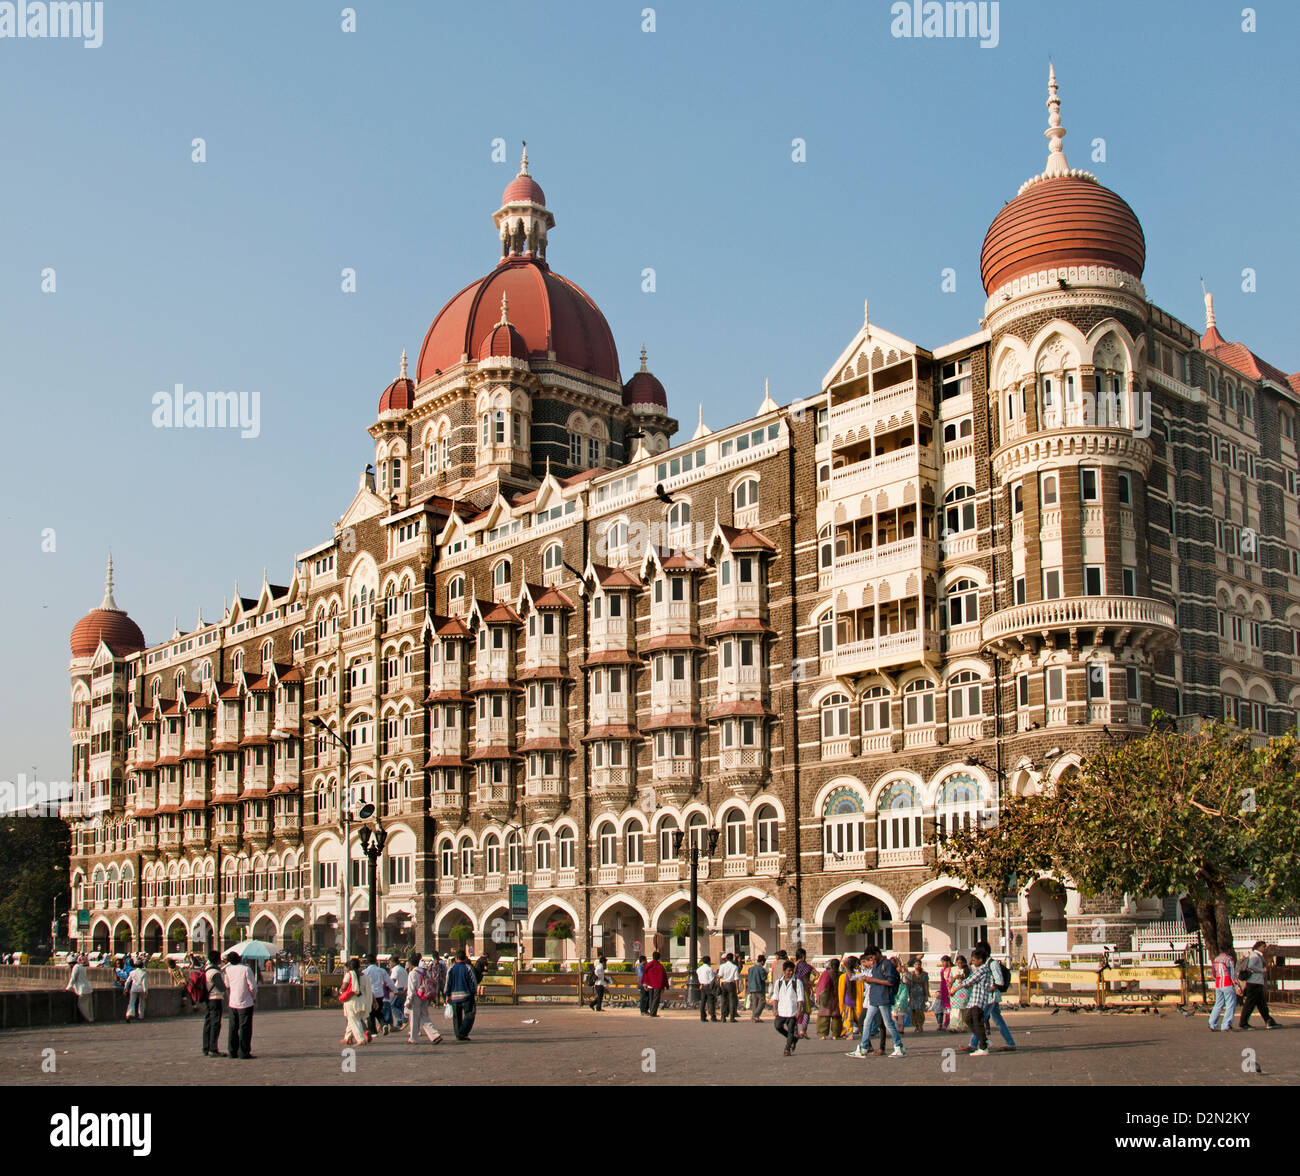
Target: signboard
x,y
518,902
83,919
241,912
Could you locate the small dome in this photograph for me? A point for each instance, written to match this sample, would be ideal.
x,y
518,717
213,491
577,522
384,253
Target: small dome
x,y
400,394
523,189
644,388
107,623
503,340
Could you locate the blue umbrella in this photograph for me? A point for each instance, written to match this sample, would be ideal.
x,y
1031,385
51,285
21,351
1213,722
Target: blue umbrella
x,y
254,949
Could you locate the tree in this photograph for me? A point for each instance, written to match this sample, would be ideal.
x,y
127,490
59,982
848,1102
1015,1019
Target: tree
x,y
461,933
1169,812
33,878
863,921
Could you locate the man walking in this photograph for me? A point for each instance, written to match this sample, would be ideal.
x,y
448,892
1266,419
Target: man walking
x,y
462,986
212,1007
400,981
1254,978
381,986
708,990
881,977
728,983
756,987
642,992
79,985
980,986
1225,991
1000,981
787,1004
137,989
241,985
655,979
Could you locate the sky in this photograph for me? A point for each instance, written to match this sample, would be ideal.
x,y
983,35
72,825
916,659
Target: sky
x,y
671,148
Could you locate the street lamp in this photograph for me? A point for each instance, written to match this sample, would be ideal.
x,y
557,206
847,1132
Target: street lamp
x,y
345,819
372,845
692,978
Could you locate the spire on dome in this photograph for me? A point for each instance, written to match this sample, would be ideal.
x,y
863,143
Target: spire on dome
x,y
108,601
402,376
523,219
768,405
523,162
505,301
1211,338
1057,164
643,366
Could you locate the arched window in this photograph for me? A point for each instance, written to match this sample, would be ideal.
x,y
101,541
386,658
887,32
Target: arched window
x,y
455,590
447,859
667,847
514,853
963,604
266,655
733,828
965,696
565,843
766,835
397,473
501,574
679,524
844,825
835,716
298,639
633,842
825,549
875,711
237,662
898,821
918,703
553,558
607,838
467,858
616,539
958,806
542,849
746,494
959,510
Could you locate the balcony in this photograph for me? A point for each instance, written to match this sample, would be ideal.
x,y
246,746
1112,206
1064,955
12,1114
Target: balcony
x,y
611,788
448,806
494,800
877,742
675,779
837,749
1145,620
920,737
547,795
735,867
859,657
767,864
965,730
670,695
545,650
566,877
913,856
855,862
608,876
543,878
288,824
671,616
885,558
866,409
669,871
874,472
741,682
743,769
169,840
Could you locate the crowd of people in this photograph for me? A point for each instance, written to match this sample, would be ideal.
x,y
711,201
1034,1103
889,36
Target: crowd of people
x,y
381,998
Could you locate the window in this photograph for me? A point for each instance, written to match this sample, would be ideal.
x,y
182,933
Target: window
x,y
955,378
1129,579
1125,490
963,604
918,703
667,850
734,833
593,451
965,696
1098,674
1132,684
607,838
501,574
679,524
456,589
875,710
1048,490
1093,584
959,510
746,494
1019,585
1022,690
1090,485
835,716
844,825
1052,584
633,843
1017,499
899,823
1055,677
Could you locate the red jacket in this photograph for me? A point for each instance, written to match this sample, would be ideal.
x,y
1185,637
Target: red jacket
x,y
654,975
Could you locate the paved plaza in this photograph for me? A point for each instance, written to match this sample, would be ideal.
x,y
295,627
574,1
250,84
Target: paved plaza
x,y
571,1046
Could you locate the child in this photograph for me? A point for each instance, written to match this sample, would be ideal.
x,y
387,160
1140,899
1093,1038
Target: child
x,y
943,1001
902,998
959,997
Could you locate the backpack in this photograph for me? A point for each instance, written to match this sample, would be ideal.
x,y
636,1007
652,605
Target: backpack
x,y
1005,972
425,989
589,980
196,985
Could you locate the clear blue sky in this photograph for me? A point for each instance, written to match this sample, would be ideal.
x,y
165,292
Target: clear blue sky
x,y
669,149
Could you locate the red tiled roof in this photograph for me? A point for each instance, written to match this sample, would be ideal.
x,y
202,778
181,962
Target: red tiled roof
x,y
1239,356
253,794
166,809
141,813
445,761
285,786
615,577
611,731
581,476
672,641
491,753
747,707
225,747
657,722
680,561
292,675
232,692
262,683
450,627
742,625
255,741
613,657
549,597
143,765
746,539
502,614
193,804
546,745
483,685
538,673
195,753
202,702
447,696
167,761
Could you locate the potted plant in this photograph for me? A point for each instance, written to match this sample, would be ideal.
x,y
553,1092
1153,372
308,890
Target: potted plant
x,y
681,926
559,928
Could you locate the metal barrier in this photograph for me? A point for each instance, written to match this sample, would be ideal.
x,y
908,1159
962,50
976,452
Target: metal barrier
x,y
1109,987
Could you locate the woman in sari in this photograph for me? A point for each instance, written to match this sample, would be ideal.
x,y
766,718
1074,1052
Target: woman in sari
x,y
357,997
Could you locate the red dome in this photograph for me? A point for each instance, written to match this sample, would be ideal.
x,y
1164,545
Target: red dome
x,y
548,312
398,396
523,190
119,632
503,339
1061,221
643,388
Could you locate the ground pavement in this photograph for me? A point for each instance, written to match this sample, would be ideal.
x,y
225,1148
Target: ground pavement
x,y
572,1046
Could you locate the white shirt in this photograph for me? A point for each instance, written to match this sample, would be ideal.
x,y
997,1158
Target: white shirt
x,y
241,986
599,969
137,981
378,980
788,996
78,981
728,973
705,974
398,977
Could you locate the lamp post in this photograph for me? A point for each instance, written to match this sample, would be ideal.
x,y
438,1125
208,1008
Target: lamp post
x,y
692,977
372,845
345,822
